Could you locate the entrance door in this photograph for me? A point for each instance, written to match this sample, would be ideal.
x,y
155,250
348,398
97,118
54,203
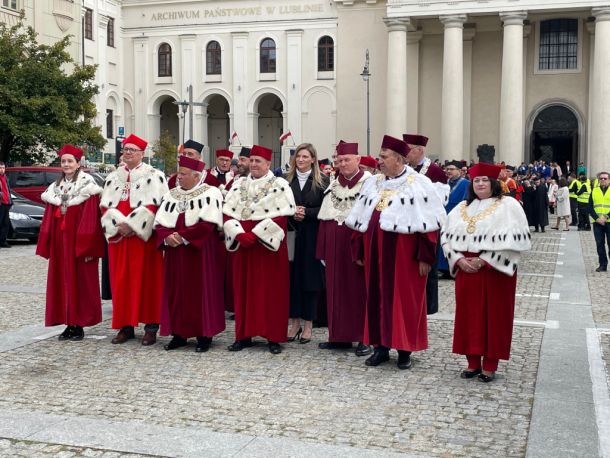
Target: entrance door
x,y
555,136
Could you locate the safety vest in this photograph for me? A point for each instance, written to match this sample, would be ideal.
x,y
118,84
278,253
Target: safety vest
x,y
601,201
584,197
574,187
596,183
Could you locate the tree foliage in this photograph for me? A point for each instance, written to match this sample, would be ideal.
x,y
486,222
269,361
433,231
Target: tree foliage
x,y
165,151
42,106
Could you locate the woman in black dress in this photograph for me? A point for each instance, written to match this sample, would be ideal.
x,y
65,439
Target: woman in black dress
x,y
306,272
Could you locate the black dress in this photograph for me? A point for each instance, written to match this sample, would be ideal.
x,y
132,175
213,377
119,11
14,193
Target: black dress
x,y
306,272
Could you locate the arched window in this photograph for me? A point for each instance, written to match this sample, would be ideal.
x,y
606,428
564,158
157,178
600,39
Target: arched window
x,y
558,44
165,60
213,64
268,56
326,54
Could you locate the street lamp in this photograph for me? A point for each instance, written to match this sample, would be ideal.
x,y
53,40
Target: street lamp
x,y
366,76
184,106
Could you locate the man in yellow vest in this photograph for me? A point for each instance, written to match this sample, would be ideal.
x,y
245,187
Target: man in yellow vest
x,y
599,210
582,197
573,187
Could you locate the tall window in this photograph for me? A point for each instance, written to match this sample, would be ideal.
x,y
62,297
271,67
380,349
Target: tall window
x,y
110,32
109,124
88,24
165,60
12,4
558,44
268,56
212,57
326,54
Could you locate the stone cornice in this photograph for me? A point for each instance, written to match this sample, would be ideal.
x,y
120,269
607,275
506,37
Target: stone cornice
x,y
453,20
513,18
397,24
601,14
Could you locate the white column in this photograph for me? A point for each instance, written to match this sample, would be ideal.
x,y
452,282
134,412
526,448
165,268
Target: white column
x,y
452,112
293,83
582,154
141,70
600,109
240,89
396,99
511,92
468,151
413,40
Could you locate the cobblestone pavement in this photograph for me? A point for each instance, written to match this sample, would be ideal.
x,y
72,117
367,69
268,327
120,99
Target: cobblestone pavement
x,y
304,393
41,450
598,281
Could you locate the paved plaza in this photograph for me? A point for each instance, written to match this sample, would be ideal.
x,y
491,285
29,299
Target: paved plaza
x,y
92,398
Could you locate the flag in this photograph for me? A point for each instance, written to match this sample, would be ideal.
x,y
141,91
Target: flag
x,y
285,136
233,137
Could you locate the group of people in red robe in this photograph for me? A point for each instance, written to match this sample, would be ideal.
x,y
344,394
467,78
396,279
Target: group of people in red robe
x,y
179,254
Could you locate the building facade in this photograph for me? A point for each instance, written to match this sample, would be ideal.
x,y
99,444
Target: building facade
x,y
528,77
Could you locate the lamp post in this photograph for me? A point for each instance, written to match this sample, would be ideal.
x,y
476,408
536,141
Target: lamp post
x,y
366,75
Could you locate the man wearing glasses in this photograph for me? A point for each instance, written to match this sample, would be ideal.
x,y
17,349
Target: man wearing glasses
x,y
129,202
222,171
599,209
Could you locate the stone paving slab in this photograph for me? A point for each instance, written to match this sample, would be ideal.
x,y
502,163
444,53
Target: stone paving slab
x,y
32,449
598,281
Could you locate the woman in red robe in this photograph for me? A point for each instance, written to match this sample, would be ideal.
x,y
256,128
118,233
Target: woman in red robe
x,y
71,239
483,239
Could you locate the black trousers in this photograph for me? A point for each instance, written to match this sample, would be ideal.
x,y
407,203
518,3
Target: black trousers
x,y
5,223
304,304
432,291
602,235
573,211
583,216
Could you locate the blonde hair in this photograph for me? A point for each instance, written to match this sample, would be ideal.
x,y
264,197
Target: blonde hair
x,y
316,174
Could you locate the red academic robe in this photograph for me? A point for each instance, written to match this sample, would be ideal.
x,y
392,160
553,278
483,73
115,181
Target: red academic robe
x,y
193,276
136,278
73,285
209,179
345,284
396,293
261,288
485,308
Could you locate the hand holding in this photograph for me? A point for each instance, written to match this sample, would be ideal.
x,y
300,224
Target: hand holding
x,y
424,268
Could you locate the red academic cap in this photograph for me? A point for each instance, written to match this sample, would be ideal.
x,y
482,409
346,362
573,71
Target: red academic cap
x,y
261,151
414,139
483,169
340,143
224,153
347,148
135,140
395,145
73,150
369,161
190,163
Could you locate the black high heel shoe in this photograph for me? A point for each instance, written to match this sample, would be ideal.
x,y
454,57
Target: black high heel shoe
x,y
296,336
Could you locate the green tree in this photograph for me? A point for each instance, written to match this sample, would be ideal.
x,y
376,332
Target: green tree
x,y
42,106
165,151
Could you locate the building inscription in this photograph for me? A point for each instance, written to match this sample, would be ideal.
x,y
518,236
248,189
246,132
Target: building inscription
x,y
218,12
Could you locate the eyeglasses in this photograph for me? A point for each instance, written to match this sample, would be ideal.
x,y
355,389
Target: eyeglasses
x,y
603,178
130,150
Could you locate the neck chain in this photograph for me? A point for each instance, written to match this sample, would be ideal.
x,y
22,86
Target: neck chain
x,y
248,201
471,221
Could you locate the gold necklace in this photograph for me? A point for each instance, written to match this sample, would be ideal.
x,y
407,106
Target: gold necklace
x,y
473,220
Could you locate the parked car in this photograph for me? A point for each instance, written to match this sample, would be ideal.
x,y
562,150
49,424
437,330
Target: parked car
x,y
25,217
31,182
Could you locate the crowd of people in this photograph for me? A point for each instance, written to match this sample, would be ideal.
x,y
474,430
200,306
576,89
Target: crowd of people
x,y
369,237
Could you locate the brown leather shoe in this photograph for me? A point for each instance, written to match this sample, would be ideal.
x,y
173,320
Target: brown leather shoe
x,y
150,338
123,336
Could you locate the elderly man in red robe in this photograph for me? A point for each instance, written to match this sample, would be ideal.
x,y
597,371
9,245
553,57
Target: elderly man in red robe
x,y
187,223
222,171
399,211
193,149
256,215
345,305
417,159
130,200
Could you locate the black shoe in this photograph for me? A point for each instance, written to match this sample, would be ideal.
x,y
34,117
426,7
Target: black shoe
x,y
486,378
535,230
362,350
232,317
404,360
203,344
67,334
78,334
334,345
601,269
541,230
274,348
176,342
377,358
296,336
239,345
5,245
468,373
